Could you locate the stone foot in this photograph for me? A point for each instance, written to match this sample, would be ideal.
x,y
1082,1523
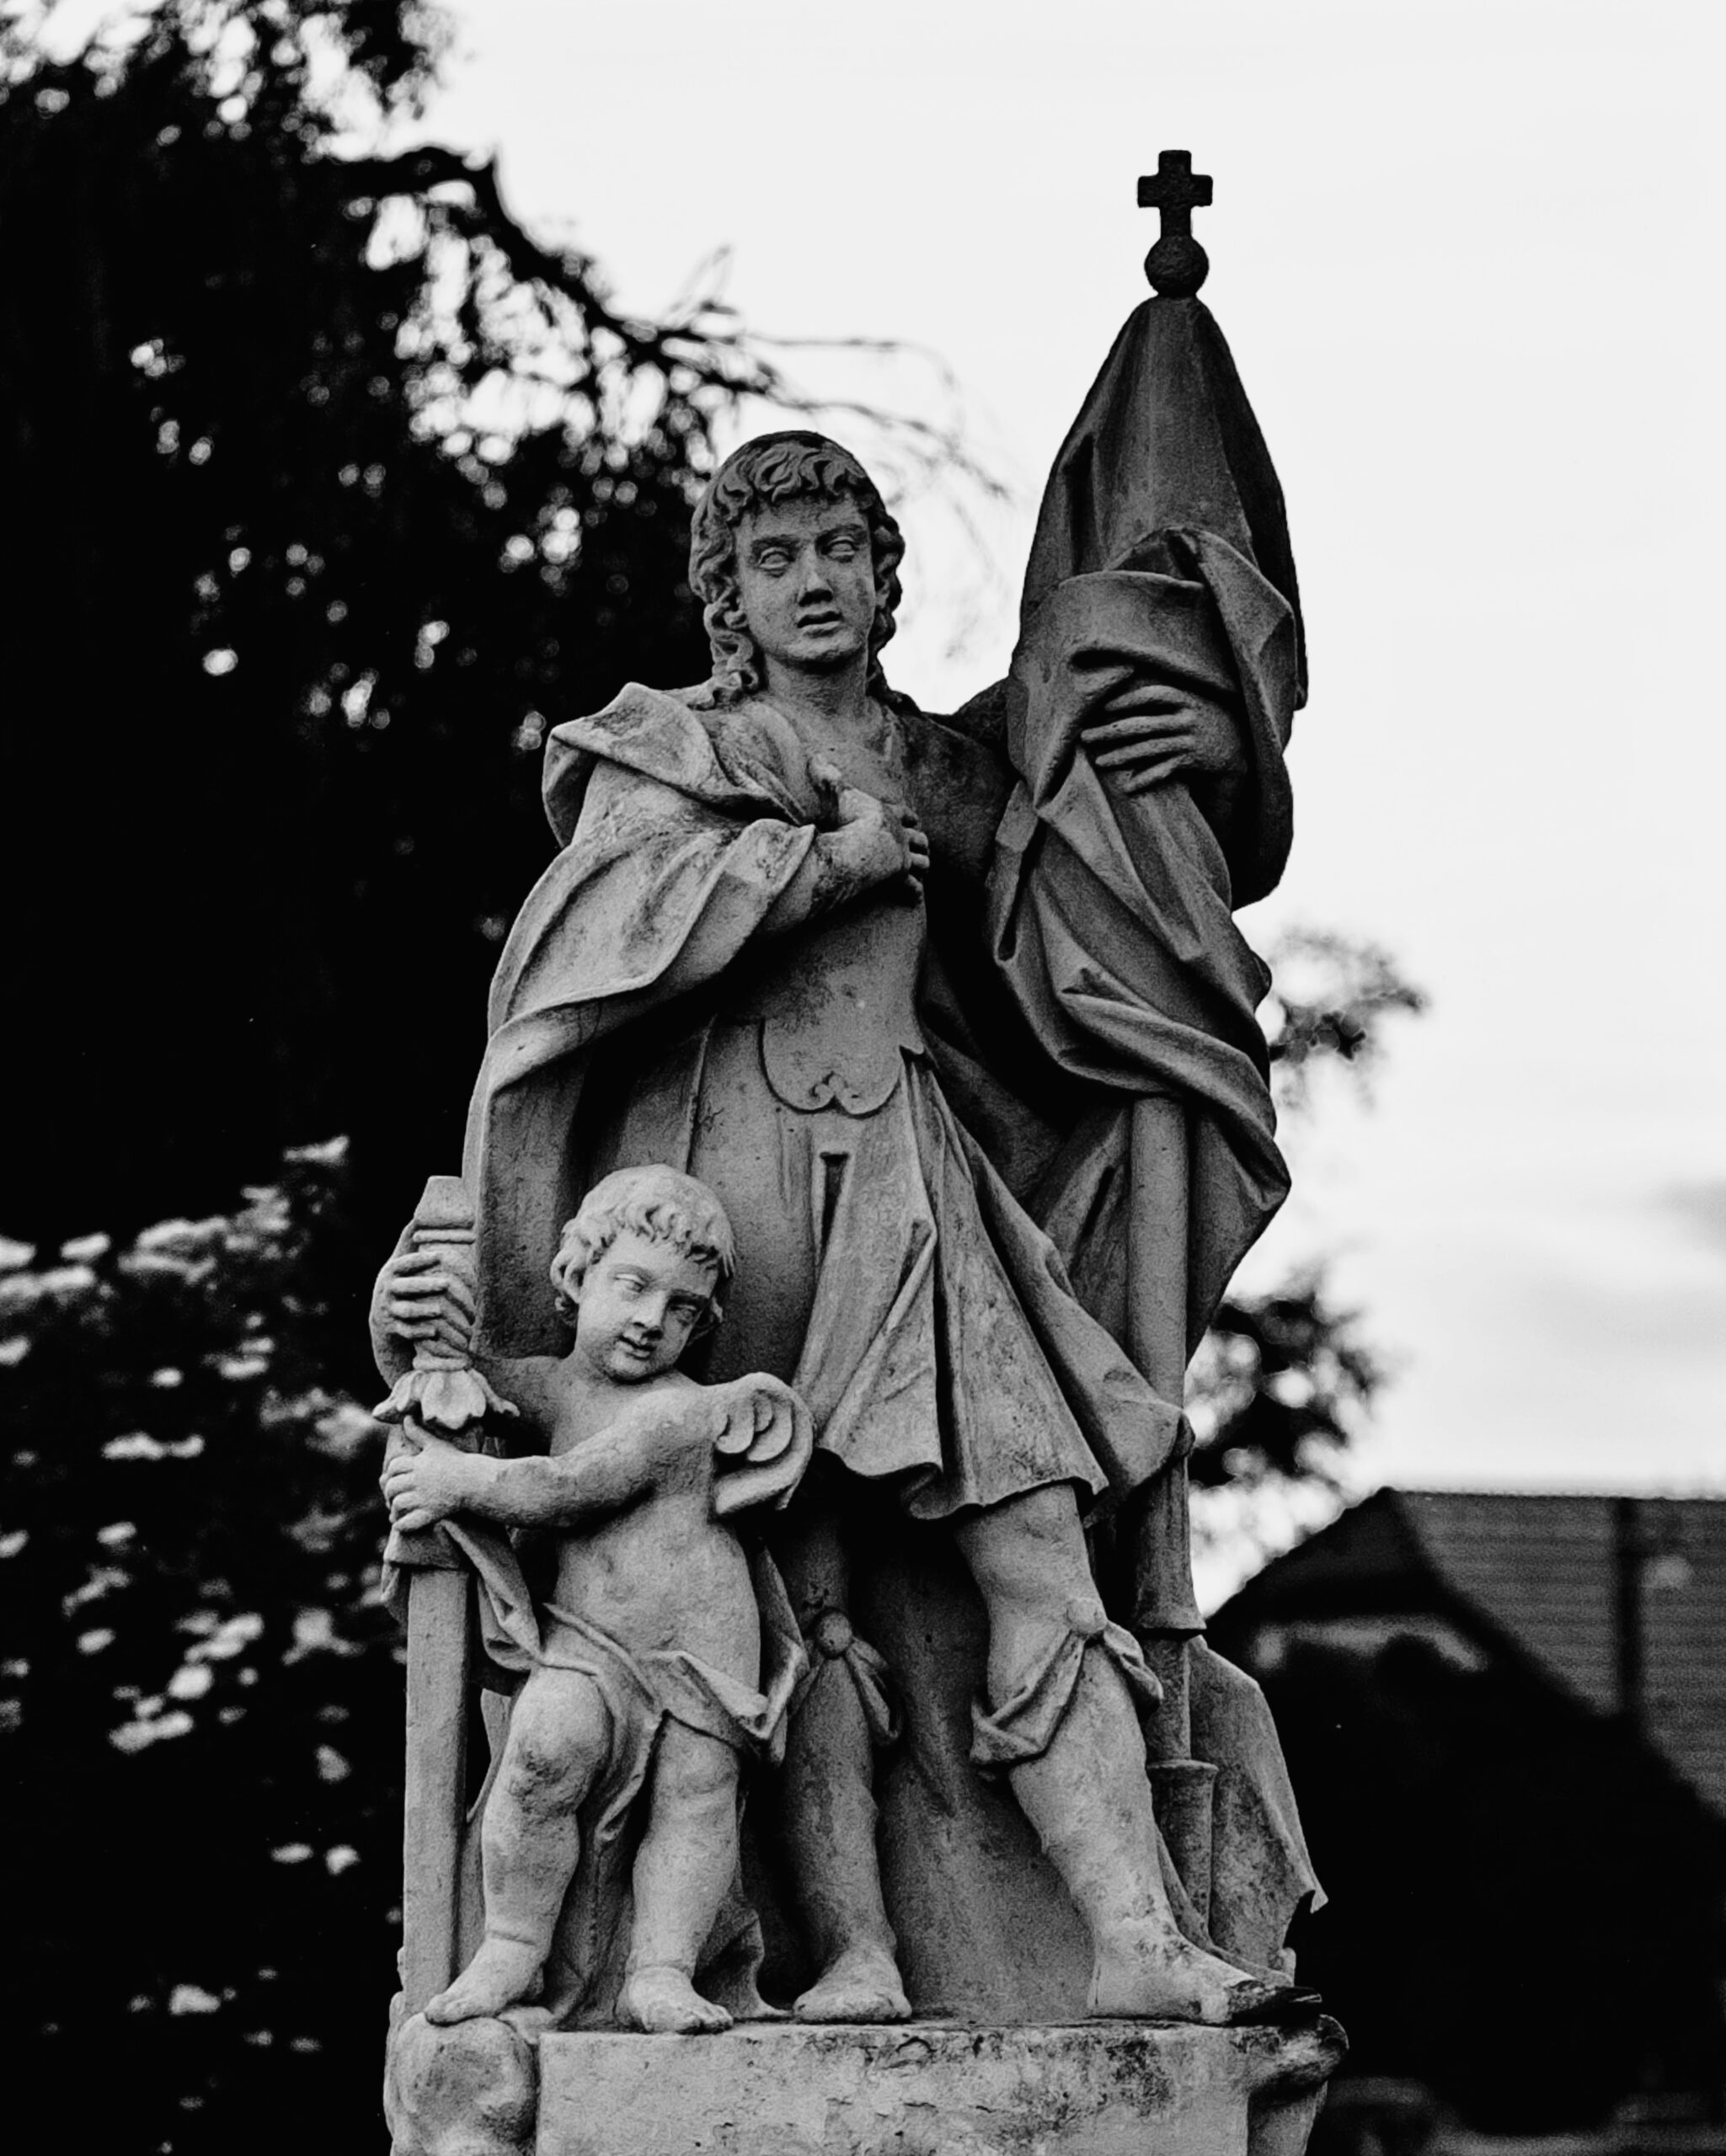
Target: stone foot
x,y
503,1973
862,1985
1148,1972
664,2003
730,1979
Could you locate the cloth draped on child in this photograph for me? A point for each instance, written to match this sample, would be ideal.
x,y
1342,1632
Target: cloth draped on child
x,y
641,1692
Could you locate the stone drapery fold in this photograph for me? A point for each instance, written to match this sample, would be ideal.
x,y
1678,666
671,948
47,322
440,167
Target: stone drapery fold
x,y
1161,556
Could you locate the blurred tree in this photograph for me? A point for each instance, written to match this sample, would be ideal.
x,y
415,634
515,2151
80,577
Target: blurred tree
x,y
1284,1377
327,490
200,1708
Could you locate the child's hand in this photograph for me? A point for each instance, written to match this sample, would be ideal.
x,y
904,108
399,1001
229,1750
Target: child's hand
x,y
424,1487
766,1432
750,1410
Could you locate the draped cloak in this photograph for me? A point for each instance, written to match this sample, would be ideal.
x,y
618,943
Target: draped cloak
x,y
1161,554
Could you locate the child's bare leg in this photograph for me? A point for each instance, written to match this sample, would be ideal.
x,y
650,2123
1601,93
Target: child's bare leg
x,y
559,1733
683,1871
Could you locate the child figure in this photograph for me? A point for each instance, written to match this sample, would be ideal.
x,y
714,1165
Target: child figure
x,y
650,1664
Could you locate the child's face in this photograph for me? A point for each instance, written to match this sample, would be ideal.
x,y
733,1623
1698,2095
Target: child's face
x,y
639,1305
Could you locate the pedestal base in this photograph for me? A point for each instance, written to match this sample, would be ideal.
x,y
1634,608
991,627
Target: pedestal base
x,y
925,2089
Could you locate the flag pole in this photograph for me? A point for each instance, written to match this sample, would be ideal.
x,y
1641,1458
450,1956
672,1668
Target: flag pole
x,y
1154,1540
442,1391
1156,1532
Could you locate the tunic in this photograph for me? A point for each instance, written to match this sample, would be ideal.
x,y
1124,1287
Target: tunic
x,y
883,1269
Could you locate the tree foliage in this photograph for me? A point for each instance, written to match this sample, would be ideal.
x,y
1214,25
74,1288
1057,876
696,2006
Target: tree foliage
x,y
330,490
1284,1378
1328,1003
199,1702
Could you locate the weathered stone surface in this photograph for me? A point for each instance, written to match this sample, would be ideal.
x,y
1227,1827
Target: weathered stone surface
x,y
1104,2088
463,2091
948,1030
638,1686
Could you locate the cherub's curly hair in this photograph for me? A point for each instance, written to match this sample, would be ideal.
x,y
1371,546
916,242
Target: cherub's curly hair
x,y
790,467
659,1203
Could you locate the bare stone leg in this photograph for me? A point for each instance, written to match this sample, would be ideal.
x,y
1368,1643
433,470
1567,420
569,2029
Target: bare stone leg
x,y
560,1731
683,1871
1088,1796
829,1812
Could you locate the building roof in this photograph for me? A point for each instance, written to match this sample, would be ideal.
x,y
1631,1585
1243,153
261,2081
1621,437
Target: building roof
x,y
1621,1601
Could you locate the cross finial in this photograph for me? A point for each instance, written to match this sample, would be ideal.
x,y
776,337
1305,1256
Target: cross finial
x,y
1177,265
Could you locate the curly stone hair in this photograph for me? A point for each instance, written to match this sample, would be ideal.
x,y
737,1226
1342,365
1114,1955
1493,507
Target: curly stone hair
x,y
664,1205
791,467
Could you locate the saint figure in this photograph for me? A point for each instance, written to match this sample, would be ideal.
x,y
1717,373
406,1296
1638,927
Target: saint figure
x,y
764,956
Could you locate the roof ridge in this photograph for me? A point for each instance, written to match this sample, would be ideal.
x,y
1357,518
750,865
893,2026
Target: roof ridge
x,y
1591,1497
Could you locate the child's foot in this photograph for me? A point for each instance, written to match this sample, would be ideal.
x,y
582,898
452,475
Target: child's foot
x,y
1148,1972
503,1973
862,1985
664,2002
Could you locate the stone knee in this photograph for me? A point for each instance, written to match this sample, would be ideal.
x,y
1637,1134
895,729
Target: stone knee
x,y
1047,1621
560,1731
1028,1561
846,1699
844,1668
693,1774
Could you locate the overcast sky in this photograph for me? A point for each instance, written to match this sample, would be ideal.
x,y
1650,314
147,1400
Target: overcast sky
x,y
1467,257
1466,254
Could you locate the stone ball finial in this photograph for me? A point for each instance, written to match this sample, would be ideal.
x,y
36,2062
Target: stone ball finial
x,y
1177,265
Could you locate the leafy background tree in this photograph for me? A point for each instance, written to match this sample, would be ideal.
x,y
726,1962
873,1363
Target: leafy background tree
x,y
290,622
1286,1376
201,1704
330,490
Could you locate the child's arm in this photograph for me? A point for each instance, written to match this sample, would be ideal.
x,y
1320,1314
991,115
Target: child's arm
x,y
620,1463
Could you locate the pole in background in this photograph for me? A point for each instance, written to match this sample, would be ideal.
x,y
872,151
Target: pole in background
x,y
1157,1535
442,1394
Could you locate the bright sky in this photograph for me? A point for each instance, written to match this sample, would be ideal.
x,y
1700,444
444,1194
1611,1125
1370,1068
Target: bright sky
x,y
1467,255
1466,252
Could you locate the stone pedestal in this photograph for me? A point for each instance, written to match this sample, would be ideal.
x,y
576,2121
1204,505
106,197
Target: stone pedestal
x,y
927,2089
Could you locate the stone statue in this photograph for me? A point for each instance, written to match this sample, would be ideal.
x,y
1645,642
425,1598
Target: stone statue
x,y
952,1018
645,1681
727,967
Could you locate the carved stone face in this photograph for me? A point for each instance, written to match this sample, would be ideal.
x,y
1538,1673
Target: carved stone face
x,y
639,1306
807,580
